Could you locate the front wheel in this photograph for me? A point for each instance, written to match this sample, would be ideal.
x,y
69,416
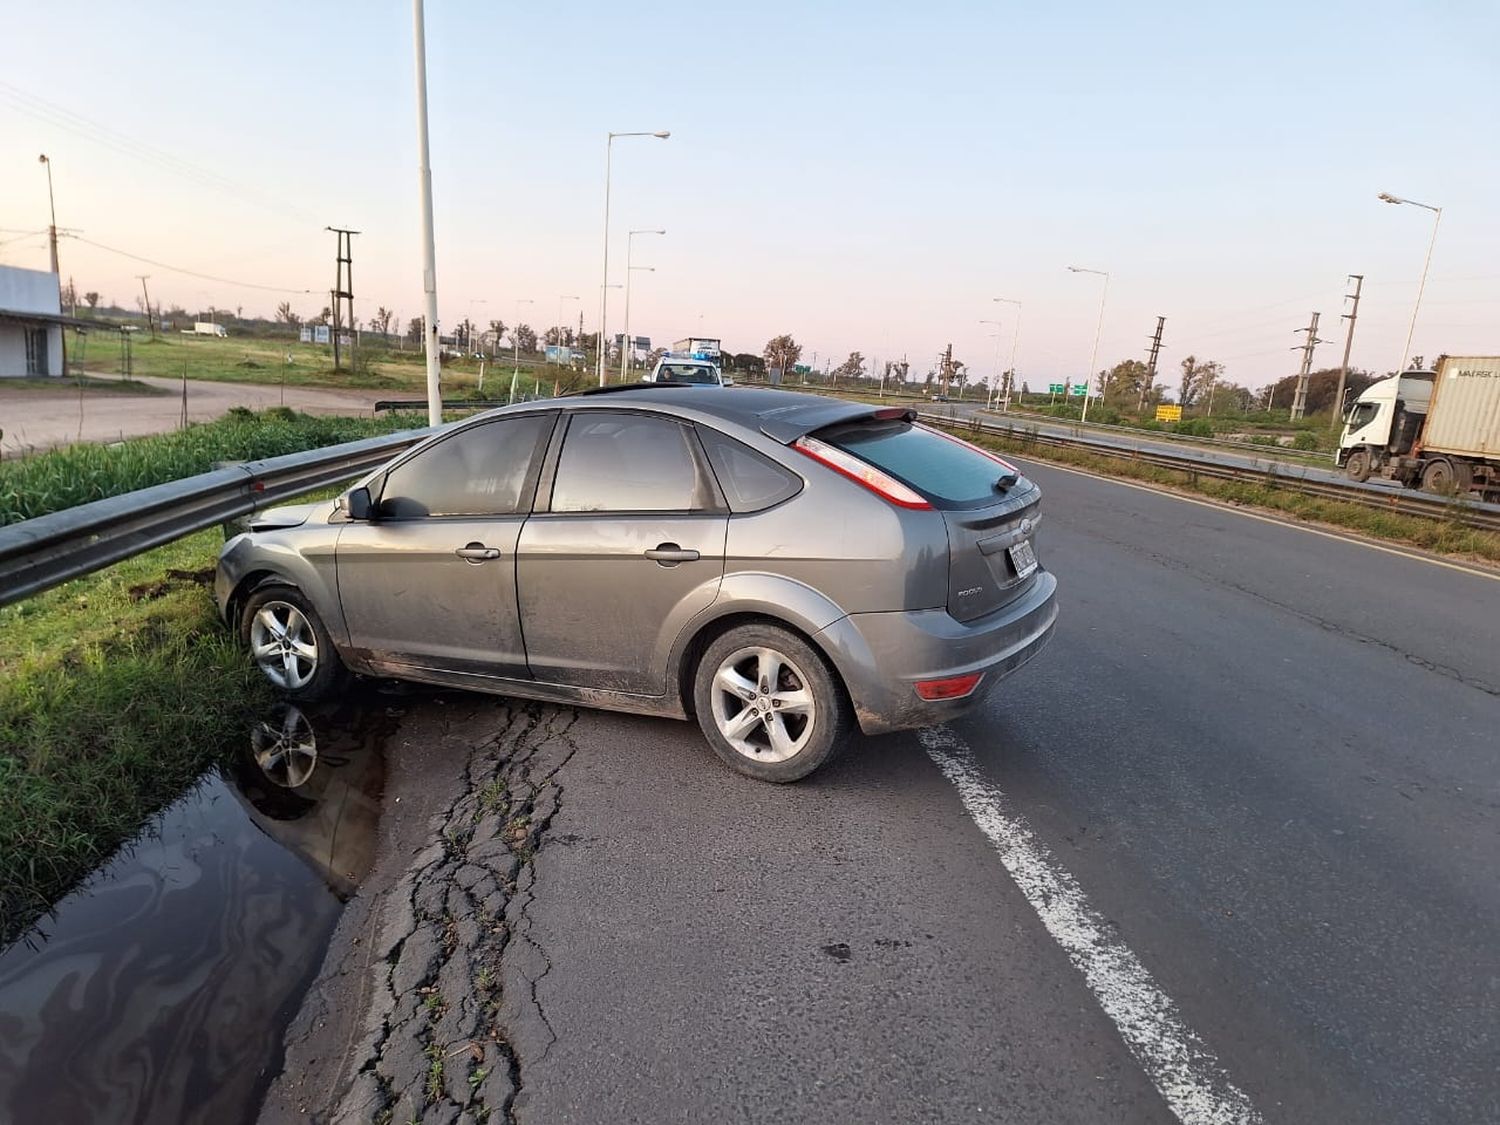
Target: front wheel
x,y
768,703
1357,468
290,644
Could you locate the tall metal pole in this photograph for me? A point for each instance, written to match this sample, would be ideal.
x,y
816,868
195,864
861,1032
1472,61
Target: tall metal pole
x,y
1299,400
150,324
1015,343
609,145
52,208
1338,399
1088,384
429,245
1421,285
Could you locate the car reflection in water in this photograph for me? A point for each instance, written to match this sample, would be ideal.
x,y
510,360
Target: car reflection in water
x,y
159,990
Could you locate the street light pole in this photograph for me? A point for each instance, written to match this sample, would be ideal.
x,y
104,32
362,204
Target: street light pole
x,y
1015,340
1088,384
1437,217
625,348
52,208
429,245
609,145
994,382
515,341
560,330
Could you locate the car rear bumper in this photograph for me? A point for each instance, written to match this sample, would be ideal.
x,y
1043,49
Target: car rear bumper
x,y
882,656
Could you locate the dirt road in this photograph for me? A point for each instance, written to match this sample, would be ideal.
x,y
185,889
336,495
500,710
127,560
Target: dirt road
x,y
35,420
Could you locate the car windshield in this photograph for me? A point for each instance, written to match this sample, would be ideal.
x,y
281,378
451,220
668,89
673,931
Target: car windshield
x,y
950,473
686,373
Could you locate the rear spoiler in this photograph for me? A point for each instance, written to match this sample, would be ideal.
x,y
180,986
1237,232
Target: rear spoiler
x,y
787,423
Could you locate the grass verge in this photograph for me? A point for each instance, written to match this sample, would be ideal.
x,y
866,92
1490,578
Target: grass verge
x,y
119,385
1449,536
62,478
116,690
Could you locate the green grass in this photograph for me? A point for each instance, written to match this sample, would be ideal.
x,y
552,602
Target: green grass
x,y
246,359
116,690
112,385
1446,536
62,478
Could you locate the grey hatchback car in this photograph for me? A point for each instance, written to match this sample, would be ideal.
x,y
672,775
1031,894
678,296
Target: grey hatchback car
x,y
780,566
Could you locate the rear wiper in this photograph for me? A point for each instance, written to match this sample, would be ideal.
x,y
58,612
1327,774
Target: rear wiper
x,y
1006,482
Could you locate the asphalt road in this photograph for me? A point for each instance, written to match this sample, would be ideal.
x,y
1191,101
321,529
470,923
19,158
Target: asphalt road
x,y
1263,760
34,420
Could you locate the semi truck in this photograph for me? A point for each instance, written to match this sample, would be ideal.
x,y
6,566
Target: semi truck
x,y
1434,430
702,346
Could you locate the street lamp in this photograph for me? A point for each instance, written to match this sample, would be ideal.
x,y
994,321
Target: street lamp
x,y
561,333
994,383
1437,213
515,343
1088,383
52,207
609,144
625,348
1015,340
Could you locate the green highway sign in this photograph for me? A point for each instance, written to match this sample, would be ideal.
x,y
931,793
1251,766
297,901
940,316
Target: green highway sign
x,y
1078,390
1057,388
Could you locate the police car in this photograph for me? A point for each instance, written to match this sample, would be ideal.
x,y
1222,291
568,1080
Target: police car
x,y
682,367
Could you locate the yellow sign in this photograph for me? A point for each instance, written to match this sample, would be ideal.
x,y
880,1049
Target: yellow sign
x,y
1169,414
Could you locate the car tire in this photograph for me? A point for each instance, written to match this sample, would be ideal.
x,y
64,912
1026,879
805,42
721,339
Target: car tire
x,y
1357,468
290,645
777,731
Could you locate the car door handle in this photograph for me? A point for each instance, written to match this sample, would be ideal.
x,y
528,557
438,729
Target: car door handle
x,y
477,552
671,553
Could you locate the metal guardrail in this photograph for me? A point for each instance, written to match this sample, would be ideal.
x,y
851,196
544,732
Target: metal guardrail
x,y
49,550
1485,517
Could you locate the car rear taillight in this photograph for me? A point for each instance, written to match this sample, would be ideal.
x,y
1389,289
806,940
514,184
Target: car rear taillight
x,y
861,472
951,687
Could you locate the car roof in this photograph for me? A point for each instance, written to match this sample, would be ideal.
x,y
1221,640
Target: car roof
x,y
783,416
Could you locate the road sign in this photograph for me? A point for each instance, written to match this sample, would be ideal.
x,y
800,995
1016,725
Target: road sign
x,y
1057,388
1078,390
1169,414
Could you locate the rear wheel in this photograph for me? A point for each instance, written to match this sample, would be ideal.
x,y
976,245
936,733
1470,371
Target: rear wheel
x,y
768,703
1357,468
290,644
1438,477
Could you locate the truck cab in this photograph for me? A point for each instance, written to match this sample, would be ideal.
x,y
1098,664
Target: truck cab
x,y
1382,426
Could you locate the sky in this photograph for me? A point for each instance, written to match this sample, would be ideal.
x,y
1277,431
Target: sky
x,y
864,176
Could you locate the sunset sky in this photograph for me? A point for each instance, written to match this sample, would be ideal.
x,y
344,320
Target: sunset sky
x,y
863,176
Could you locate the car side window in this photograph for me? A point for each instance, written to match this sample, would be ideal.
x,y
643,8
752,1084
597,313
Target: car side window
x,y
480,471
750,482
619,462
1363,414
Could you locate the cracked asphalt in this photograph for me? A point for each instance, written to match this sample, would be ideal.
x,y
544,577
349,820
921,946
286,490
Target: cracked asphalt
x,y
1266,756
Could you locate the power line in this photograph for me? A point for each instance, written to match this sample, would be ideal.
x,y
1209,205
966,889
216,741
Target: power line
x,y
188,272
61,118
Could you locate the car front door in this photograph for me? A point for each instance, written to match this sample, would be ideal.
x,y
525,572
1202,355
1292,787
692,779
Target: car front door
x,y
626,545
430,582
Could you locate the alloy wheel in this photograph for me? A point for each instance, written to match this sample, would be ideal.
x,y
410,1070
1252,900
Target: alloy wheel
x,y
284,645
763,705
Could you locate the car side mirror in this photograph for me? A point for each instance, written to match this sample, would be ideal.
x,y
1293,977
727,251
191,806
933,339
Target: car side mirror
x,y
358,504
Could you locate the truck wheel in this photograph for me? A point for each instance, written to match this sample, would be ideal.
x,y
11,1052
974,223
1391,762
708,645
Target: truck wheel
x,y
1357,468
1438,478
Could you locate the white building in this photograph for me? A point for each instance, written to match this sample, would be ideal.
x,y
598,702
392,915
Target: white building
x,y
31,323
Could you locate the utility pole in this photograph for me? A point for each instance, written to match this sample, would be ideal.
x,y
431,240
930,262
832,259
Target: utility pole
x,y
343,285
1299,402
1150,382
150,324
1338,401
57,271
947,367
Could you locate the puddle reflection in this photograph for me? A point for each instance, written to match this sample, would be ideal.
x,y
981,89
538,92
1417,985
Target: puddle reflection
x,y
160,989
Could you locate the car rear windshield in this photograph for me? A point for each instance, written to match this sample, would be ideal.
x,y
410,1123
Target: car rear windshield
x,y
948,473
686,373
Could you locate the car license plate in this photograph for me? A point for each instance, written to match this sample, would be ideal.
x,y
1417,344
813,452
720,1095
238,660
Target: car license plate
x,y
1023,558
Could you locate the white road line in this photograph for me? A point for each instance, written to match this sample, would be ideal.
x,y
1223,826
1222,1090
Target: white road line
x,y
1184,1071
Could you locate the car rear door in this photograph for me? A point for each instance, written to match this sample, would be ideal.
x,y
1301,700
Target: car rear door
x,y
625,546
430,582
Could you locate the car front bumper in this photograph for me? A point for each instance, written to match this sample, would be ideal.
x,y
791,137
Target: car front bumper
x,y
882,656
